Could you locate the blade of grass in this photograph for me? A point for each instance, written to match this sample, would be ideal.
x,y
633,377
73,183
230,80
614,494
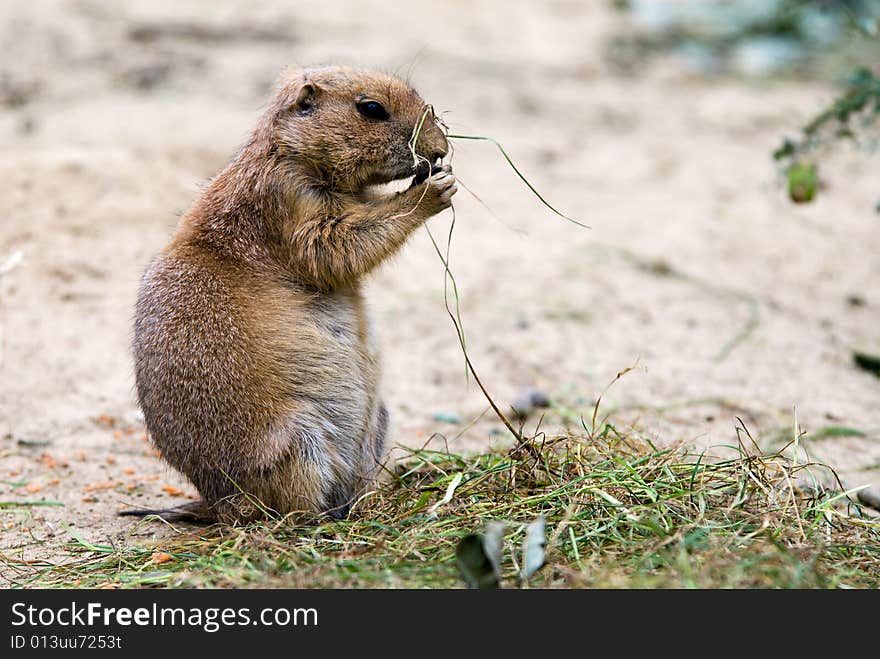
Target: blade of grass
x,y
24,504
519,174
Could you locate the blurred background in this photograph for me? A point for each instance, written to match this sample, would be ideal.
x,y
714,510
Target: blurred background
x,y
654,122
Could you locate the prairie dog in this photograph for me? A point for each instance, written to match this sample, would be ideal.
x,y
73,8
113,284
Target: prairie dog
x,y
255,365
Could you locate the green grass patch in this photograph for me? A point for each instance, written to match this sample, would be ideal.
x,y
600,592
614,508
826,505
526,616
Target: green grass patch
x,y
619,512
28,504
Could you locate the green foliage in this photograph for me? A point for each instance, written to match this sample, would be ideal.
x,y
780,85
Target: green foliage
x,y
755,38
851,117
854,111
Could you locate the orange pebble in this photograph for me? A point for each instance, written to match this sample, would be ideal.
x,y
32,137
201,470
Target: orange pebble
x,y
159,557
106,420
48,461
106,485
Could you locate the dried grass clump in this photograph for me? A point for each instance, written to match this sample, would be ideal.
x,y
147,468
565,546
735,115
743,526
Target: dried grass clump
x,y
620,512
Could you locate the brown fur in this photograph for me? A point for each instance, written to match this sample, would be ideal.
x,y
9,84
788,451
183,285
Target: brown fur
x,y
255,366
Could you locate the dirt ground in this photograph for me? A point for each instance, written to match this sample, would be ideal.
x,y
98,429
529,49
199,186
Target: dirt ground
x,y
728,299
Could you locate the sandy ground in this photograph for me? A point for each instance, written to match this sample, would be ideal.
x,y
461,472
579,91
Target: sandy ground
x,y
113,115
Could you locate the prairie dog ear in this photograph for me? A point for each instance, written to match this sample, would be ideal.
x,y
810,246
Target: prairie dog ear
x,y
304,97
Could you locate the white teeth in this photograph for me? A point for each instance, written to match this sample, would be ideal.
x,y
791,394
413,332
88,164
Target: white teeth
x,y
393,187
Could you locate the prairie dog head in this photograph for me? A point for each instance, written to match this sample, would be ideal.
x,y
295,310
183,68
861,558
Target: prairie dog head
x,y
351,128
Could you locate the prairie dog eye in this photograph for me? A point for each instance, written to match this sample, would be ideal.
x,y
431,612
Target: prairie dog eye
x,y
372,110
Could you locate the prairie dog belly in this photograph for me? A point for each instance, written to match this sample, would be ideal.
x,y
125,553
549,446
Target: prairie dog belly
x,y
331,373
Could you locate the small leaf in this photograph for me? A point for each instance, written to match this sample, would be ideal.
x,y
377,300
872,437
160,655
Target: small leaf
x,y
493,543
786,150
450,491
802,182
533,548
474,565
422,500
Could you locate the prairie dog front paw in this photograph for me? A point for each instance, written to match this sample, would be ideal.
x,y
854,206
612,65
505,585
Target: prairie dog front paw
x,y
441,186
